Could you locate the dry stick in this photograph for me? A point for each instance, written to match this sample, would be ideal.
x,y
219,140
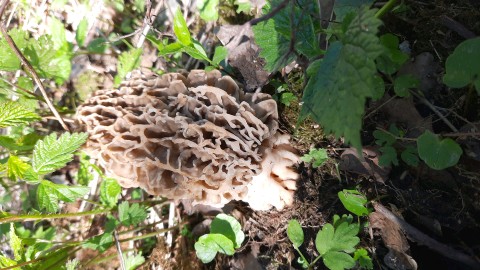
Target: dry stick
x,y
119,250
29,67
415,235
430,105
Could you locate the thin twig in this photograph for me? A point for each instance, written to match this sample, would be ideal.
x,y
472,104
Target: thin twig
x,y
419,237
437,112
29,67
119,250
269,15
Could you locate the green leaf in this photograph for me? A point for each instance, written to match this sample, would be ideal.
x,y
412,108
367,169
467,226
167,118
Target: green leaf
x,y
48,194
72,264
170,48
208,9
335,260
127,61
16,244
208,245
8,59
388,157
109,191
58,35
361,256
335,96
438,154
243,6
6,262
82,31
229,227
463,65
392,58
219,55
131,214
181,30
343,7
51,153
196,51
317,156
133,261
383,138
98,45
12,113
275,48
295,233
410,156
100,242
343,238
16,168
354,201
403,83
286,98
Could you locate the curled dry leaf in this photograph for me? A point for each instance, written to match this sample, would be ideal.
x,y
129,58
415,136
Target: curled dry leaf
x,y
191,136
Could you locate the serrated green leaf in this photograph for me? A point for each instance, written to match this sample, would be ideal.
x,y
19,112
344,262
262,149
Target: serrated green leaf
x,y
228,226
287,97
12,113
131,214
8,59
388,157
181,29
133,261
342,238
383,138
403,83
72,264
219,55
463,65
361,256
295,233
438,154
51,153
70,193
47,197
335,260
208,245
81,33
354,202
100,242
16,168
127,61
109,191
208,9
15,244
335,97
316,156
7,262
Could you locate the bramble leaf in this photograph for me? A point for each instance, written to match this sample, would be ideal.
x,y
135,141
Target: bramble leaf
x,y
131,214
16,168
127,61
13,113
438,154
51,153
49,193
100,242
109,191
335,96
295,233
463,65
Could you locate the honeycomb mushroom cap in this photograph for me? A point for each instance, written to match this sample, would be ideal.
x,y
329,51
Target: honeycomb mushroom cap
x,y
191,136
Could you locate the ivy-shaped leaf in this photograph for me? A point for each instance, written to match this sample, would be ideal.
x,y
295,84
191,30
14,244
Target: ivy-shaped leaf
x,y
13,113
51,153
335,96
438,154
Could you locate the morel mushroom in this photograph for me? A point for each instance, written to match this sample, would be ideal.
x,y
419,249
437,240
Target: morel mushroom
x,y
191,136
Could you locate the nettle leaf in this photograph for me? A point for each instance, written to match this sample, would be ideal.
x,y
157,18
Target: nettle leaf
x,y
208,245
109,191
131,214
16,168
438,154
208,9
180,29
51,153
49,193
295,233
403,83
16,244
127,61
13,113
228,226
335,96
463,65
361,256
316,156
354,202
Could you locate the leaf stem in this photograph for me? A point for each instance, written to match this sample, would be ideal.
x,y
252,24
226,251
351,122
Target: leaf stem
x,y
386,8
27,217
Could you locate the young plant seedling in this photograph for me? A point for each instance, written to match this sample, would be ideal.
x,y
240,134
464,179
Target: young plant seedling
x,y
225,236
316,156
